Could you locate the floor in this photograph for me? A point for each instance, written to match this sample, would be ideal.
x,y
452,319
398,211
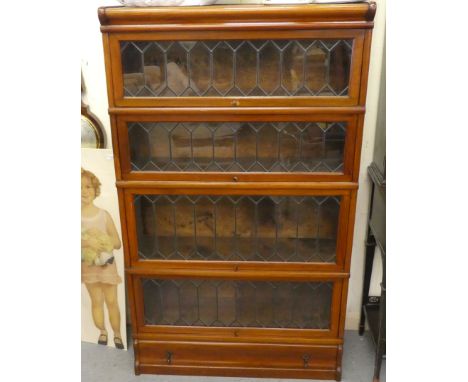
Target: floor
x,y
105,364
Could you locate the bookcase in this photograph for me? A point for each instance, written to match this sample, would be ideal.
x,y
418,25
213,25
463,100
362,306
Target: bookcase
x,y
236,133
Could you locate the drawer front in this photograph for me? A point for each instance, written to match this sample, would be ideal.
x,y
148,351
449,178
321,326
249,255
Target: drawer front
x,y
266,68
196,147
251,231
172,355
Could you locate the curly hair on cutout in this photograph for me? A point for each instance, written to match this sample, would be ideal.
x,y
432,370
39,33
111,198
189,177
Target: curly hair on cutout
x,y
94,180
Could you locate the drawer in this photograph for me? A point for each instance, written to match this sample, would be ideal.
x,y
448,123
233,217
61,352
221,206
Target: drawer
x,y
238,145
237,359
254,68
245,228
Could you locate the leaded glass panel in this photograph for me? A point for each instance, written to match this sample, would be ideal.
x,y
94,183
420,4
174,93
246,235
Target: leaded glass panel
x,y
238,68
237,146
237,228
232,303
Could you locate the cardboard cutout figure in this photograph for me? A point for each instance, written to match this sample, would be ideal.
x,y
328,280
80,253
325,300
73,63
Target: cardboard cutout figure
x,y
100,241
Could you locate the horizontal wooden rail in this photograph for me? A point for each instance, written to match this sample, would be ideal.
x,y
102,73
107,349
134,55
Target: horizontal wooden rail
x,y
237,275
331,13
236,186
236,111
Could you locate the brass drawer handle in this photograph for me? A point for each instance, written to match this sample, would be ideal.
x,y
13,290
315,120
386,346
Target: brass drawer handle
x,y
235,102
169,357
306,359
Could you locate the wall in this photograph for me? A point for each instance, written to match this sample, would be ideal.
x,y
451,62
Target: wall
x,y
92,62
370,123
95,80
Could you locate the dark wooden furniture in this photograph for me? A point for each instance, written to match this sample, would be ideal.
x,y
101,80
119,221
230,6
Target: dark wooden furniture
x,y
373,308
237,133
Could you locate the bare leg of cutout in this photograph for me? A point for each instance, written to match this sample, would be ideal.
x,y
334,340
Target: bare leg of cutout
x,y
97,304
110,296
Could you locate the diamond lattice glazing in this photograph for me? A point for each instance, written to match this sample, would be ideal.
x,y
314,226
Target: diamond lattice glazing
x,y
237,228
228,303
236,68
237,146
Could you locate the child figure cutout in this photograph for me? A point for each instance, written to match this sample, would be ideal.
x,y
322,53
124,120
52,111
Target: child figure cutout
x,y
99,238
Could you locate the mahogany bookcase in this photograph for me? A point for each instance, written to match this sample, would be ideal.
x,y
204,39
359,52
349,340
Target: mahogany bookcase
x,y
237,135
